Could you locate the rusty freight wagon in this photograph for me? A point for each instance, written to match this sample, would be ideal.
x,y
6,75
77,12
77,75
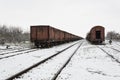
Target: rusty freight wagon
x,y
96,35
46,36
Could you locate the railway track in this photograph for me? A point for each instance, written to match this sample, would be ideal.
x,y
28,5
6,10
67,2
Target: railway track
x,y
15,53
65,64
43,61
6,50
9,49
108,53
113,48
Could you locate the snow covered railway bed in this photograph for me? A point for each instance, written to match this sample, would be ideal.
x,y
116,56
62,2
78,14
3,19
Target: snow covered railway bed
x,y
7,51
51,68
114,45
111,52
11,50
13,65
15,53
88,63
91,63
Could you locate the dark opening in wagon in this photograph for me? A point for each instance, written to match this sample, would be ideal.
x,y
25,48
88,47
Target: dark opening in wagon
x,y
98,34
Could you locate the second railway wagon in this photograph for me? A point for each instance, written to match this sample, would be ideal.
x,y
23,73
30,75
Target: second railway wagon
x,y
46,36
96,35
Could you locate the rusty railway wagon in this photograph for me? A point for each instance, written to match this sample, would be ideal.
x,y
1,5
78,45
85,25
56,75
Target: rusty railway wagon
x,y
47,36
96,35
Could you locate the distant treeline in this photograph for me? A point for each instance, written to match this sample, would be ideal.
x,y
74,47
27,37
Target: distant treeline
x,y
12,34
113,35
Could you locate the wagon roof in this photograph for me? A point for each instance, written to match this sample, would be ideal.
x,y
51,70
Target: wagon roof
x,y
39,25
97,27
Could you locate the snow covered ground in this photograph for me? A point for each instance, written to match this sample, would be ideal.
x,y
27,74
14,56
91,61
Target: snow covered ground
x,y
12,65
89,63
47,70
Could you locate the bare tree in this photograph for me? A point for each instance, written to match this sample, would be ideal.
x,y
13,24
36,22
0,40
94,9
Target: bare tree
x,y
3,34
11,34
26,36
113,35
15,34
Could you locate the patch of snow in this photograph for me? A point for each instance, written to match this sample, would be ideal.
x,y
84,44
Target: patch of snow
x,y
12,65
91,63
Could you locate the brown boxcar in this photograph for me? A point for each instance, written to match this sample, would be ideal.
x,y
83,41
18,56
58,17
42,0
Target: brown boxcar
x,y
46,36
96,35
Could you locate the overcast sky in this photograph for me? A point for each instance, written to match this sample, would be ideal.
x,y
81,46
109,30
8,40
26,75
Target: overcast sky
x,y
74,16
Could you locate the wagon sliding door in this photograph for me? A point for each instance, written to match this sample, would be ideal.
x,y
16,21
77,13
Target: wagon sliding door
x,y
98,34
